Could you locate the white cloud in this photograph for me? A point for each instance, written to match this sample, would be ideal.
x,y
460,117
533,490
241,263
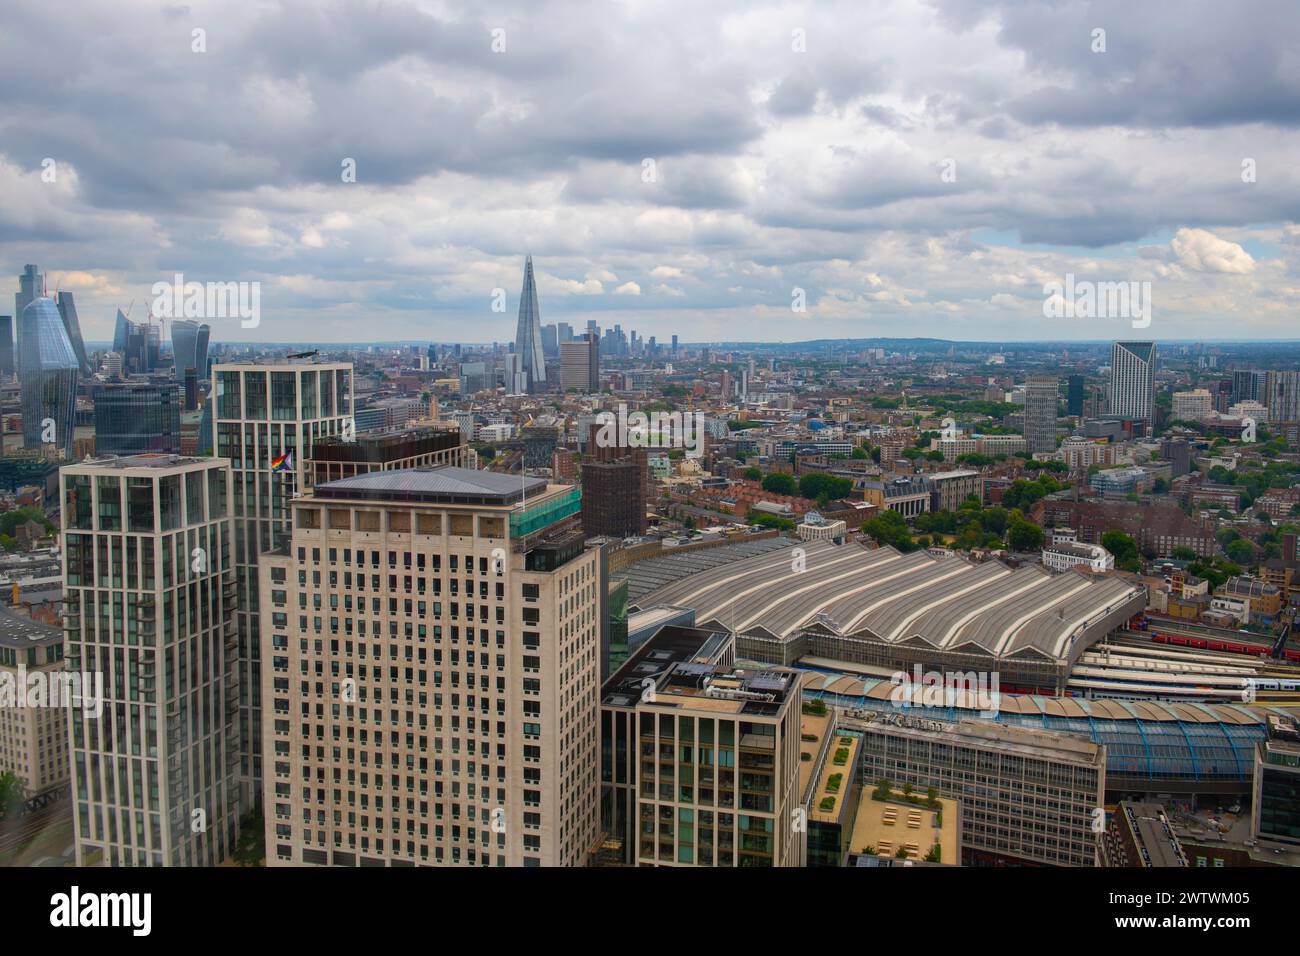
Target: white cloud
x,y
1203,251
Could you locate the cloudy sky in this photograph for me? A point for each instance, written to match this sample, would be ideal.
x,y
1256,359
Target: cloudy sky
x,y
915,168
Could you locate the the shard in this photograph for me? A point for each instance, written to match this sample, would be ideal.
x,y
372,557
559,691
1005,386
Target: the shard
x,y
528,335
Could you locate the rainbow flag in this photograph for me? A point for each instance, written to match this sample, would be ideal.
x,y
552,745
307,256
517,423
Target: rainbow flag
x,y
283,462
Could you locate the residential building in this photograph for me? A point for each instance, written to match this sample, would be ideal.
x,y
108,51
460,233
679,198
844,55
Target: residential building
x,y
268,416
700,758
1132,381
1283,390
149,600
987,445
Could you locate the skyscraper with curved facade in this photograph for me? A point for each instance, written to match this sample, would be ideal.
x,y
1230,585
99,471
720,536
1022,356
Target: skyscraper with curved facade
x,y
47,371
528,333
72,325
190,347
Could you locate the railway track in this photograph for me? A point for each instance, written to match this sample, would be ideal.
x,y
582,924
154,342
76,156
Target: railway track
x,y
16,834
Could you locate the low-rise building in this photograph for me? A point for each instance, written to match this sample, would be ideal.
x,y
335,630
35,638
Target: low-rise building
x,y
1062,556
1027,796
33,734
1264,599
814,527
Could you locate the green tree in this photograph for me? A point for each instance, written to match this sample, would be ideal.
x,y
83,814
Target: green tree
x,y
890,528
1240,551
1123,547
11,793
1024,536
753,474
823,487
780,483
765,520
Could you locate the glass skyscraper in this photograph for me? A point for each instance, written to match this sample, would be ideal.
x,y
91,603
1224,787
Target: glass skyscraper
x,y
528,334
47,369
135,417
6,344
31,285
68,313
190,347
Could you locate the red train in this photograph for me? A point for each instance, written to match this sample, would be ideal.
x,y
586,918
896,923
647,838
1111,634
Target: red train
x,y
1228,647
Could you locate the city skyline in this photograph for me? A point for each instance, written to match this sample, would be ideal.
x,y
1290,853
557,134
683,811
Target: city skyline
x,y
938,179
856,435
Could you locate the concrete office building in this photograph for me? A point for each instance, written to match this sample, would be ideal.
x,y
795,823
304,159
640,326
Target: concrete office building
x,y
948,489
265,413
701,758
580,364
1027,796
33,739
149,600
1192,405
1040,413
432,694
